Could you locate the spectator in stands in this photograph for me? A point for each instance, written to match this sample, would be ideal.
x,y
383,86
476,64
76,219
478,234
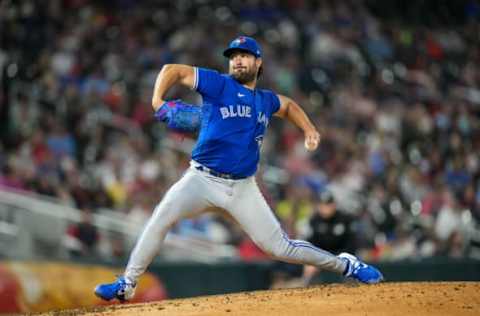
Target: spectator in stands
x,y
81,239
295,208
330,229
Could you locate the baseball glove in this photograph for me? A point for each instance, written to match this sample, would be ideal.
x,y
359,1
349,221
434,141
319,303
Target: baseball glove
x,y
180,116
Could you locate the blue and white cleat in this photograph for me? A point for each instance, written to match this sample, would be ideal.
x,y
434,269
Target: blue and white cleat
x,y
359,270
122,289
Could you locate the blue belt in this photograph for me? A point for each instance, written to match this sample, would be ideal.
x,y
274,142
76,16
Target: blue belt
x,y
218,174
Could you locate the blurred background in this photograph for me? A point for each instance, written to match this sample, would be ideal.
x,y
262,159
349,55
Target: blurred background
x,y
393,86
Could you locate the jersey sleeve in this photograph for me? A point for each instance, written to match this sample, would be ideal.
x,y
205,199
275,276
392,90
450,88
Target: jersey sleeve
x,y
208,83
272,102
275,103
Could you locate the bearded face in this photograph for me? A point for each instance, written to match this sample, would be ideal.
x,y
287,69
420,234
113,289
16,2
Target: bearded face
x,y
243,67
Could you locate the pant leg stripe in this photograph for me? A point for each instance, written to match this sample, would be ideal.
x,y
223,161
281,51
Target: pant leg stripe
x,y
304,244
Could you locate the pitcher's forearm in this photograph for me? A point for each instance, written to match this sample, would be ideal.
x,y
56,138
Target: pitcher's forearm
x,y
167,77
291,111
170,75
297,116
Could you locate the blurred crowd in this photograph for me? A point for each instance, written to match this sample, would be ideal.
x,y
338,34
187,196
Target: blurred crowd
x,y
396,98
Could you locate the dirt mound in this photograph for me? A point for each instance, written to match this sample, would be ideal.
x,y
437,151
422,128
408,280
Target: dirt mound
x,y
435,298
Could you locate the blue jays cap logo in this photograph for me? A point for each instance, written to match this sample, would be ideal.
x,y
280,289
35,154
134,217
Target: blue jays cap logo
x,y
243,43
239,40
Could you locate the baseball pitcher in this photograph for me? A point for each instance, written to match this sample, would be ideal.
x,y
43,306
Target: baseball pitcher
x,y
232,123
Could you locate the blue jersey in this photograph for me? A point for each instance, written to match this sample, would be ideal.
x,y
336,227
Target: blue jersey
x,y
234,120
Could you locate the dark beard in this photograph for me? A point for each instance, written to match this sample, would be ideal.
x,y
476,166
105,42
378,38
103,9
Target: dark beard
x,y
245,77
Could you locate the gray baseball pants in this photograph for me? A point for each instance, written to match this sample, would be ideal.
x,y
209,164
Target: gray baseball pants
x,y
198,191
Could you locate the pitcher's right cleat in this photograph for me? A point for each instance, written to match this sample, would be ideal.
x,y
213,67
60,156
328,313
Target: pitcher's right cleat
x,y
359,270
122,289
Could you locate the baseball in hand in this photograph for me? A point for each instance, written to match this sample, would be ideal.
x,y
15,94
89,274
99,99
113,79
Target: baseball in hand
x,y
312,139
311,144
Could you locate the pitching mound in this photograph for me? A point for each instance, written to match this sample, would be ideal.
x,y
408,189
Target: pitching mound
x,y
439,298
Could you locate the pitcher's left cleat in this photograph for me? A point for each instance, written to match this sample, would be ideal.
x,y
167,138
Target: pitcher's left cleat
x,y
122,289
359,270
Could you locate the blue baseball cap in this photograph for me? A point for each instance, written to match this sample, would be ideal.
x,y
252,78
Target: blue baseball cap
x,y
243,43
